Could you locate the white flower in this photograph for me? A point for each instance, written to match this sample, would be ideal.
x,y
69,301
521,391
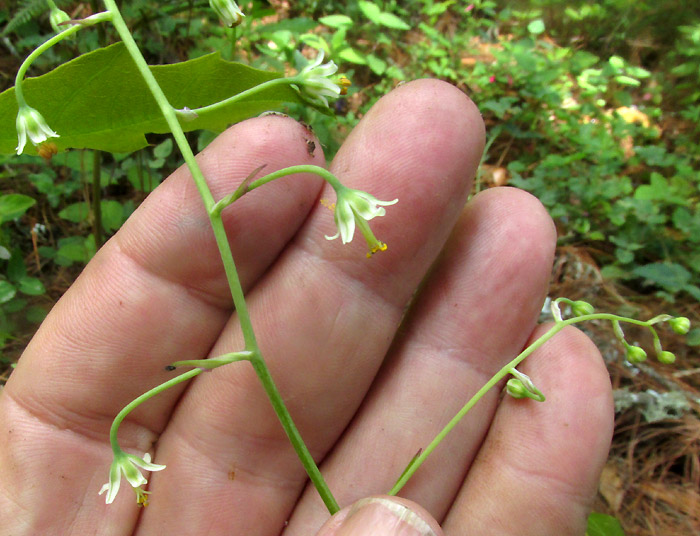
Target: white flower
x,y
314,81
127,464
31,123
355,207
228,11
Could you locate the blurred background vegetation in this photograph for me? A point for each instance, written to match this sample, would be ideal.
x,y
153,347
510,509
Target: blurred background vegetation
x,y
594,107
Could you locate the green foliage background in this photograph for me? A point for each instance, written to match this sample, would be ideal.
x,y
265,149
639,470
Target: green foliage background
x,y
593,107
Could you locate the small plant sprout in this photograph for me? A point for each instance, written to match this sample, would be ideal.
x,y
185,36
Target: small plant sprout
x,y
128,464
31,124
314,83
228,11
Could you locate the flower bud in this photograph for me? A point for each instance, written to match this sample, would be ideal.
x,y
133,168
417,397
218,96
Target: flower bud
x,y
521,386
56,17
516,389
635,354
581,308
680,325
666,357
228,11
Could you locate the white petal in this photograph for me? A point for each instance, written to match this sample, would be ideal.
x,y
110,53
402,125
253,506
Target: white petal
x,y
22,139
146,463
347,230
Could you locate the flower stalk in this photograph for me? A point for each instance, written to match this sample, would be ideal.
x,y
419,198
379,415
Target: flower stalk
x,y
509,368
235,287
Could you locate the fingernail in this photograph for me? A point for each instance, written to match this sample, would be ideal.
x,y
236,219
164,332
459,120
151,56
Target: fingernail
x,y
383,517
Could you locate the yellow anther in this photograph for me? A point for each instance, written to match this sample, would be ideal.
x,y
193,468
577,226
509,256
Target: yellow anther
x,y
344,84
327,204
379,246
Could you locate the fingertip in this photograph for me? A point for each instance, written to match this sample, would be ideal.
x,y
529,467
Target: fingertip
x,y
382,516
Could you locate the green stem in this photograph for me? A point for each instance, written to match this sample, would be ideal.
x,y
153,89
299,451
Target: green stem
x,y
291,170
418,460
293,434
188,114
89,21
140,400
227,258
97,197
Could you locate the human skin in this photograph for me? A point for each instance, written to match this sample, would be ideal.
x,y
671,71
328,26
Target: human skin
x,y
368,380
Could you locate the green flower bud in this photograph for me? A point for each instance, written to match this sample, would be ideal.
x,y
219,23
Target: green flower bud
x,y
56,18
228,11
666,357
635,354
680,325
581,308
521,386
516,389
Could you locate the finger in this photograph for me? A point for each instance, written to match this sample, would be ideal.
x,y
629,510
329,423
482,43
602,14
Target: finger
x,y
472,316
156,292
537,472
381,516
325,316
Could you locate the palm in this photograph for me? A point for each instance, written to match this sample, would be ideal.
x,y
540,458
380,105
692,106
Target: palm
x,y
367,386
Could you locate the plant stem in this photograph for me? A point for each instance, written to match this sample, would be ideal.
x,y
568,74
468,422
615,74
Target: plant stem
x,y
558,326
97,198
291,170
89,21
227,258
234,98
292,433
140,400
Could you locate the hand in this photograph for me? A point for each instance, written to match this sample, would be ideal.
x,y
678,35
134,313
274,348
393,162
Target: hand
x,y
367,385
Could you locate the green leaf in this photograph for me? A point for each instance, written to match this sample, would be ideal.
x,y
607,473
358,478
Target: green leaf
x,y
75,212
13,206
370,10
351,55
616,62
163,150
536,27
669,276
315,41
100,101
377,65
603,525
112,215
627,81
336,21
31,286
613,272
72,249
392,21
14,305
7,291
693,337
36,314
16,267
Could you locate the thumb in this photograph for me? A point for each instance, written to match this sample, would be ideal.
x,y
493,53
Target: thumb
x,y
381,516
